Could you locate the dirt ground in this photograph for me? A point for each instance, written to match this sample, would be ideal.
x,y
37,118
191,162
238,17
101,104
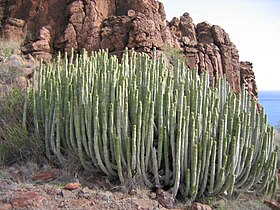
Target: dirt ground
x,y
30,186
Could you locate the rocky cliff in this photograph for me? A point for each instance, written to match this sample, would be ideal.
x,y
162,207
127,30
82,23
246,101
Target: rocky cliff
x,y
51,25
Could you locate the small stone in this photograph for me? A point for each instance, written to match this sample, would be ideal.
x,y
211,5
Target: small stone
x,y
72,186
185,40
165,198
132,191
45,176
145,204
119,196
106,196
272,204
153,196
5,206
131,13
198,206
26,200
16,22
51,190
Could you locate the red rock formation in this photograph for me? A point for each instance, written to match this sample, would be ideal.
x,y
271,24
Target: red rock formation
x,y
40,47
14,29
208,48
116,24
248,77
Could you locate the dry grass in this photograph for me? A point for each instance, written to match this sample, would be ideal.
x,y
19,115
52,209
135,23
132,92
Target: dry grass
x,y
243,204
16,143
172,55
10,64
8,47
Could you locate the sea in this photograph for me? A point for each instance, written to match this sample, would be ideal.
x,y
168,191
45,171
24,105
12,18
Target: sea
x,y
270,100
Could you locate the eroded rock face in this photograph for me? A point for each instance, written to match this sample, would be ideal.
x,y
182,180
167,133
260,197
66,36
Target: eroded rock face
x,y
14,29
208,48
84,19
117,24
40,47
248,77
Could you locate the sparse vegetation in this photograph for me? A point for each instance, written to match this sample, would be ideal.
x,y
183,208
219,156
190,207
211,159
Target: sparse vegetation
x,y
8,47
16,143
172,55
10,65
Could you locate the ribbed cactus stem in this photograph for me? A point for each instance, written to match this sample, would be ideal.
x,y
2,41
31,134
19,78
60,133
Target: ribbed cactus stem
x,y
134,148
187,182
96,136
128,156
150,135
207,167
177,170
118,159
212,168
166,158
220,145
162,130
248,163
105,142
25,106
194,166
139,138
155,167
35,107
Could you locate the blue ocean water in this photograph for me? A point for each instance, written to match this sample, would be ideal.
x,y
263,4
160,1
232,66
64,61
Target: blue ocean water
x,y
270,100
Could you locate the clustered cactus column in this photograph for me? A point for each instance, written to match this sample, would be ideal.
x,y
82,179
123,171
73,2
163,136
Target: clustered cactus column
x,y
168,127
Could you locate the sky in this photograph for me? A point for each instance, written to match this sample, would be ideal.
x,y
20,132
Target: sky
x,y
253,26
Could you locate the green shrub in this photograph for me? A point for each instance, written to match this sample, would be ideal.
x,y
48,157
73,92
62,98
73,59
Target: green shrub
x,y
172,55
135,118
16,143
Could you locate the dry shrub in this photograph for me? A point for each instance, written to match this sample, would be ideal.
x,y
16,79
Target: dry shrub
x,y
10,64
172,55
8,47
16,143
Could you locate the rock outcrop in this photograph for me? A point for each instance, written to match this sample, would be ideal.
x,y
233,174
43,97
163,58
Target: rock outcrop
x,y
208,48
248,77
40,47
117,24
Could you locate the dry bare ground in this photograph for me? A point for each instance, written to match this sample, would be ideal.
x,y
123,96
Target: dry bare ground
x,y
43,187
33,186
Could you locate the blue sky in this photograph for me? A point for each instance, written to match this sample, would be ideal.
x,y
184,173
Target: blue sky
x,y
253,26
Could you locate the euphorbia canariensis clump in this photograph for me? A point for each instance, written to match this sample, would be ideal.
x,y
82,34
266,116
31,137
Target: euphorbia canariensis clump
x,y
135,117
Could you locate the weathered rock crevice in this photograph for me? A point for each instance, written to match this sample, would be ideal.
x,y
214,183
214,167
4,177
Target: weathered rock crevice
x,y
51,25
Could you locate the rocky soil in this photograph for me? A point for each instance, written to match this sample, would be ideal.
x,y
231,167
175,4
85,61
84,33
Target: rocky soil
x,y
31,186
41,186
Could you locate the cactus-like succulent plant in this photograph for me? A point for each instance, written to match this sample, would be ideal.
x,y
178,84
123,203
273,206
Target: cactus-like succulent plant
x,y
171,128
